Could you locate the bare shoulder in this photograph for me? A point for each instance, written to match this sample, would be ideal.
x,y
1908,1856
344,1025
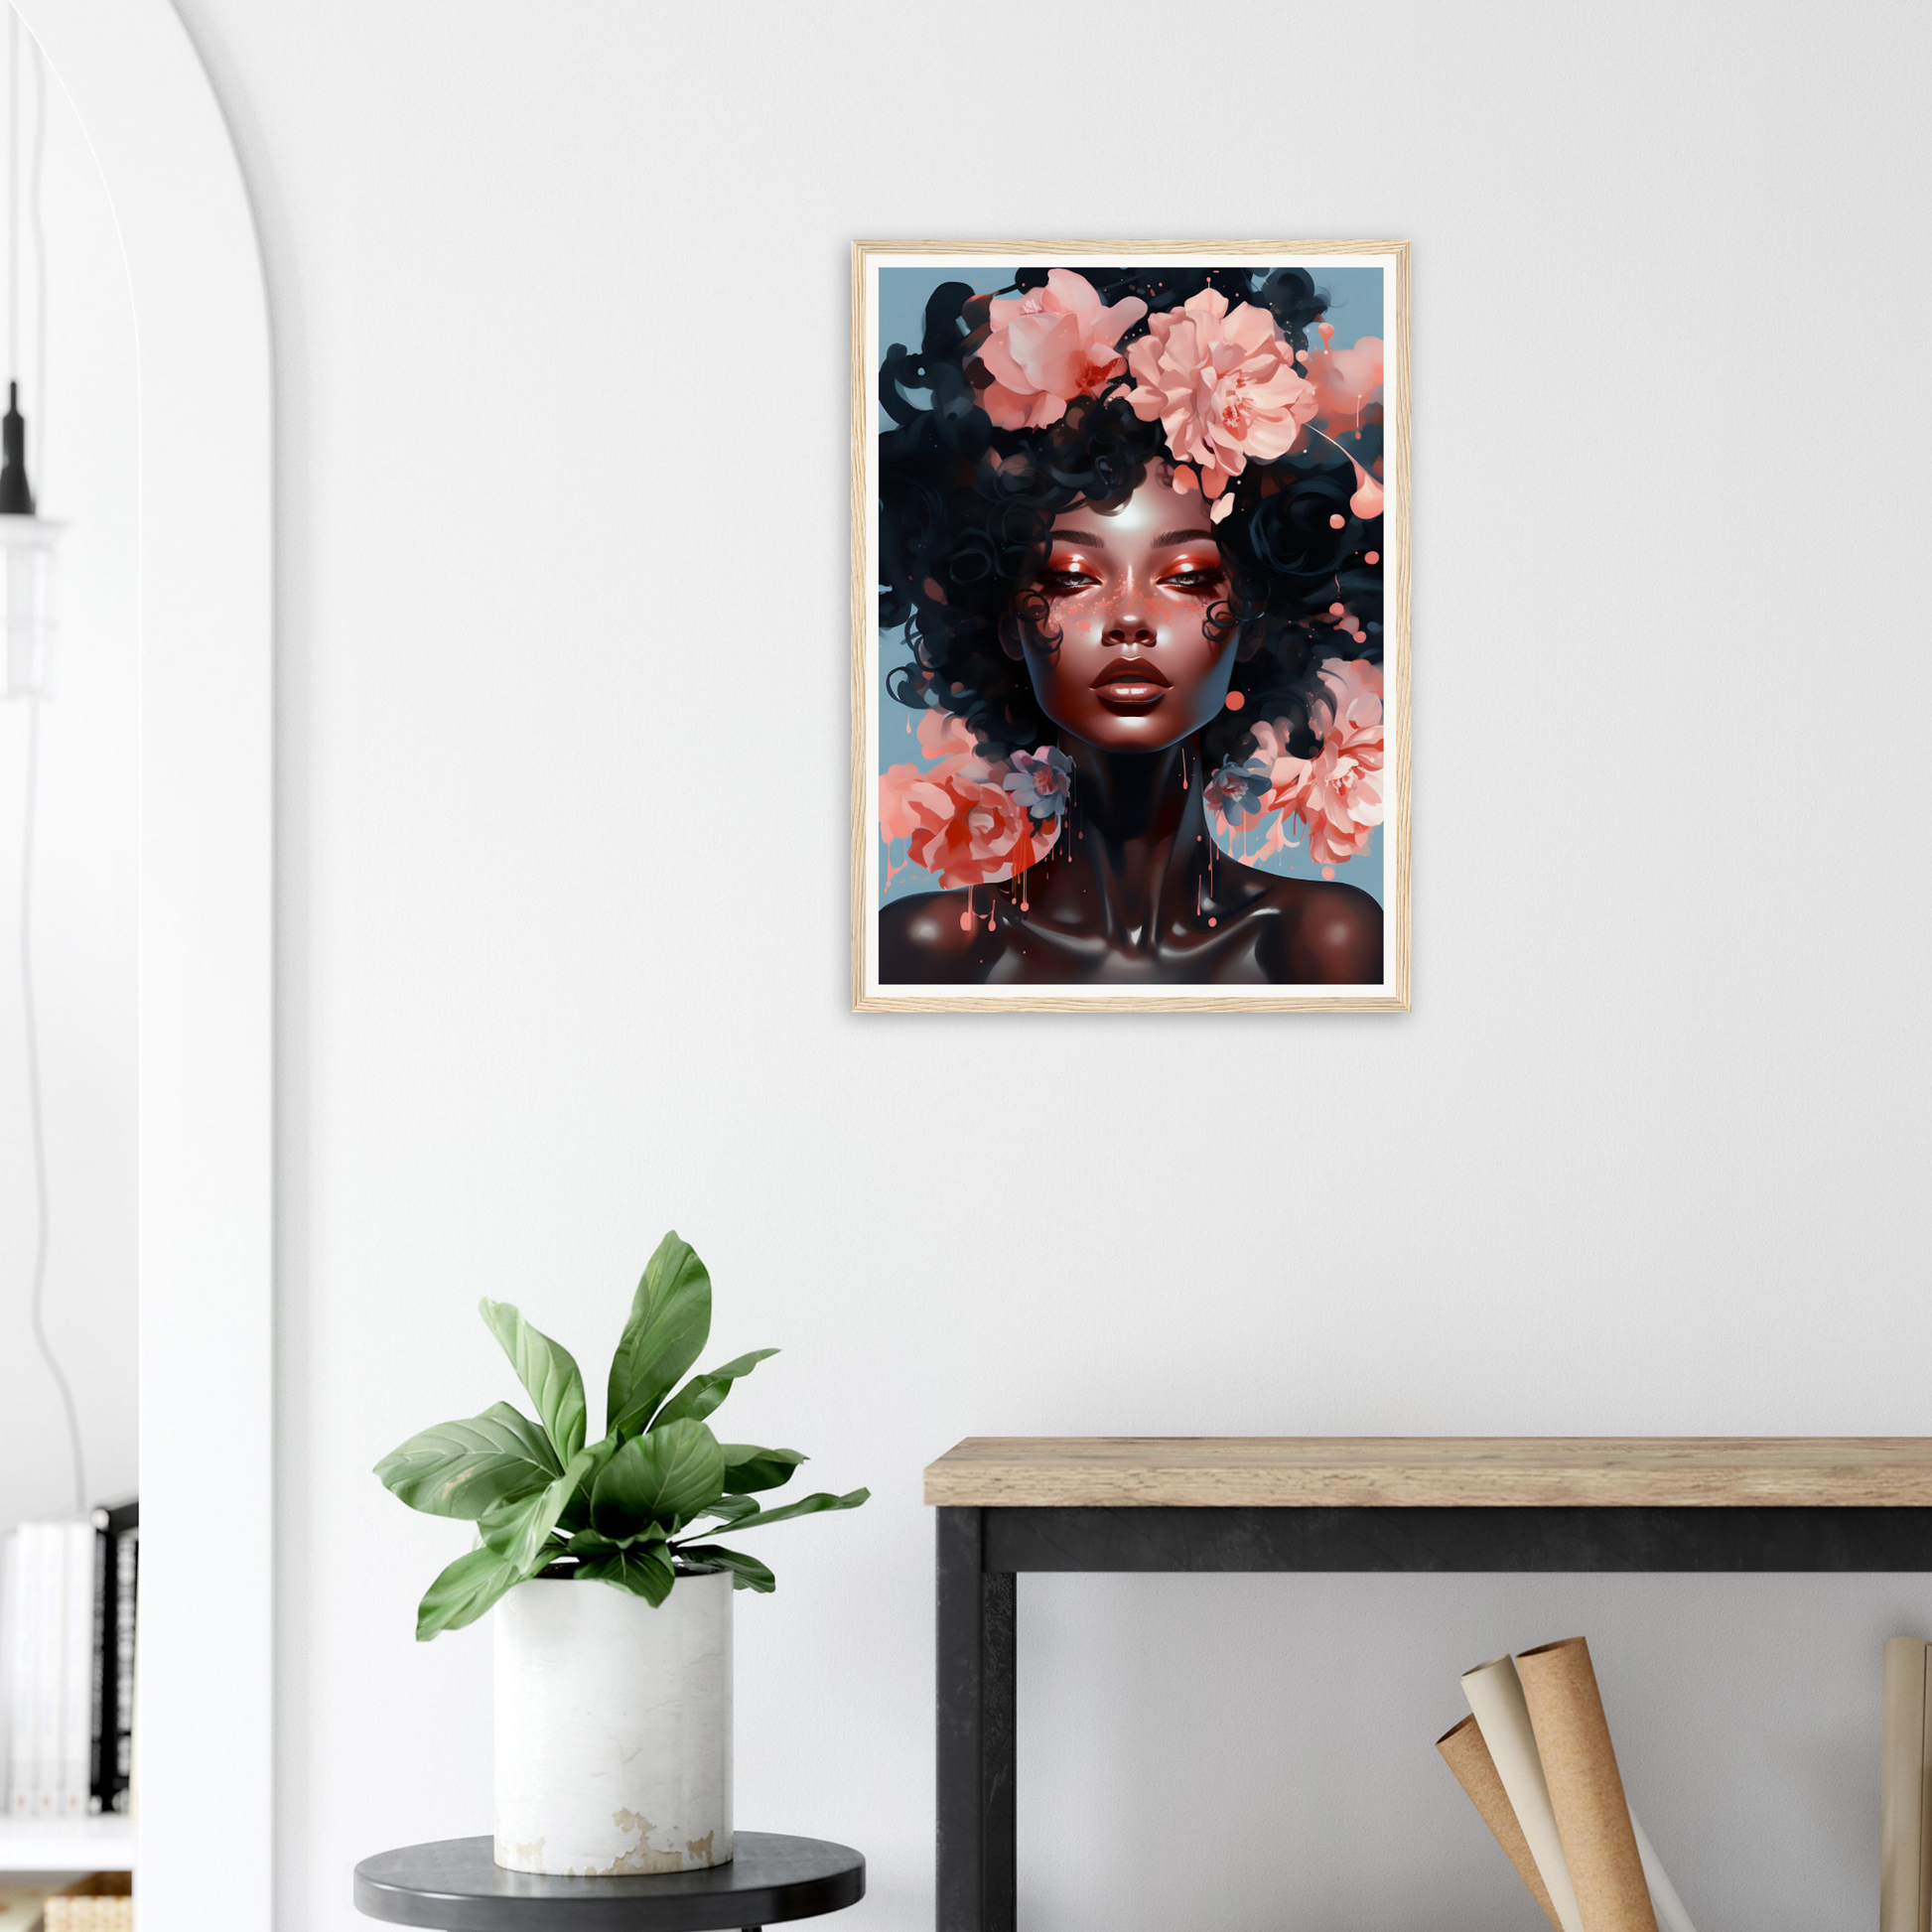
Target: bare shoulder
x,y
930,939
1325,934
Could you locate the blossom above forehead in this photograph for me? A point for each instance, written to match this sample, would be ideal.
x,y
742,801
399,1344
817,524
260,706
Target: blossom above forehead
x,y
1223,384
1048,346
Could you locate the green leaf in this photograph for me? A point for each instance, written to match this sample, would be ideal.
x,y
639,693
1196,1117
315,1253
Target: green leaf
x,y
703,1393
644,1571
586,1543
547,1369
805,1507
463,1592
519,1532
732,1509
468,1468
577,1511
671,1321
665,1476
747,1467
747,1573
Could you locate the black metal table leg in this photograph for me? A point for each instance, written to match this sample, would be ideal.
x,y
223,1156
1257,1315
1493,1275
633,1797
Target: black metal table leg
x,y
976,1714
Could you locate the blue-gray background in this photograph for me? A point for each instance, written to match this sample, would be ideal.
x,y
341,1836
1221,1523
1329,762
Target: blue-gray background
x,y
1354,306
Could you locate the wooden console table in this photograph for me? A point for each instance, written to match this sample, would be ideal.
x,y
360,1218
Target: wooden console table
x,y
1007,1504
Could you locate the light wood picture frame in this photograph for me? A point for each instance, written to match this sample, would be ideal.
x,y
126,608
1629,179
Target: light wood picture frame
x,y
1099,762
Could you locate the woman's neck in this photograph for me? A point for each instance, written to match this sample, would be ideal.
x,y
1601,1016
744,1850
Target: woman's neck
x,y
1141,839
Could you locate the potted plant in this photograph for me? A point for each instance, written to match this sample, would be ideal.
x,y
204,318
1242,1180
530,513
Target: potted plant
x,y
613,1705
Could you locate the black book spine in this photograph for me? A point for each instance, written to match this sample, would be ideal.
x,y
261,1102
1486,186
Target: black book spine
x,y
102,1749
128,1561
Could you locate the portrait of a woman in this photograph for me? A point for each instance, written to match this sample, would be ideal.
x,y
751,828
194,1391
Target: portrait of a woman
x,y
1130,530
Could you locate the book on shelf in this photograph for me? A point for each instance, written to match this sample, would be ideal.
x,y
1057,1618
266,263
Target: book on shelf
x,y
112,1719
68,1611
16,1668
47,1589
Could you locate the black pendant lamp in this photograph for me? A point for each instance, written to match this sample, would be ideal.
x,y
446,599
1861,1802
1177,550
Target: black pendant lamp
x,y
27,539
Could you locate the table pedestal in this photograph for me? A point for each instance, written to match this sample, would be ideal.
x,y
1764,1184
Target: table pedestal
x,y
457,1886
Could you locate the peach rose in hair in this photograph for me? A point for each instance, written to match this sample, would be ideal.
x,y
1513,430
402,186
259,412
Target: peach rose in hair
x,y
1050,346
1222,383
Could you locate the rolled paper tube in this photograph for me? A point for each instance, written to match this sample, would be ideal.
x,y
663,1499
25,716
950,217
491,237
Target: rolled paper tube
x,y
1671,1915
1903,1789
1572,1739
1475,1772
1497,1698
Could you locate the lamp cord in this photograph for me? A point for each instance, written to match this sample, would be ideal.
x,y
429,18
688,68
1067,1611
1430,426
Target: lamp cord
x,y
13,193
36,1118
36,1114
38,472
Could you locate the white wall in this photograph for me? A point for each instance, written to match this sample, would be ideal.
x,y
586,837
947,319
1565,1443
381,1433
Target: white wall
x,y
81,457
561,324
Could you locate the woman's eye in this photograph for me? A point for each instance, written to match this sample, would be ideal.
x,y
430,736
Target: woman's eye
x,y
1069,580
1192,580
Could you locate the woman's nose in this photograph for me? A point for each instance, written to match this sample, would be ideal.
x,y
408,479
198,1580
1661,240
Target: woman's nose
x,y
1130,624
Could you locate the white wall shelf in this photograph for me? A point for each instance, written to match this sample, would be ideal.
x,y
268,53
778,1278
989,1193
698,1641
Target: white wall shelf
x,y
66,1844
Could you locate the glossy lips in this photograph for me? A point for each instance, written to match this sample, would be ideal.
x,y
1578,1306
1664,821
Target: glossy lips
x,y
1128,687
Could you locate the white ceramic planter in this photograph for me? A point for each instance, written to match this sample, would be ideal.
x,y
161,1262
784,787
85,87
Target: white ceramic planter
x,y
613,1727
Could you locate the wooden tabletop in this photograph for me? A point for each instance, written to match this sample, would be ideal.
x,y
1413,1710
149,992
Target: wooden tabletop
x,y
1437,1472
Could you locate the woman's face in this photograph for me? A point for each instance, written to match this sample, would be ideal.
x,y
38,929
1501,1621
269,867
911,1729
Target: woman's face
x,y
1138,666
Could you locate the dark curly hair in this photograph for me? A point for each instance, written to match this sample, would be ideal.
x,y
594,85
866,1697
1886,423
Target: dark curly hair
x,y
965,513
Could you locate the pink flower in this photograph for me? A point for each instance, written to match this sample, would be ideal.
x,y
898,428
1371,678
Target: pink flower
x,y
1287,776
1223,384
909,801
981,837
1338,793
1341,805
957,817
1050,346
1354,700
913,798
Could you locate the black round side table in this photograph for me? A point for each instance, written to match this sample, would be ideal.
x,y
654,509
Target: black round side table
x,y
457,1886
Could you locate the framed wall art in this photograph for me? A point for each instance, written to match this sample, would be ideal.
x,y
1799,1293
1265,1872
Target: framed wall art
x,y
1130,659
